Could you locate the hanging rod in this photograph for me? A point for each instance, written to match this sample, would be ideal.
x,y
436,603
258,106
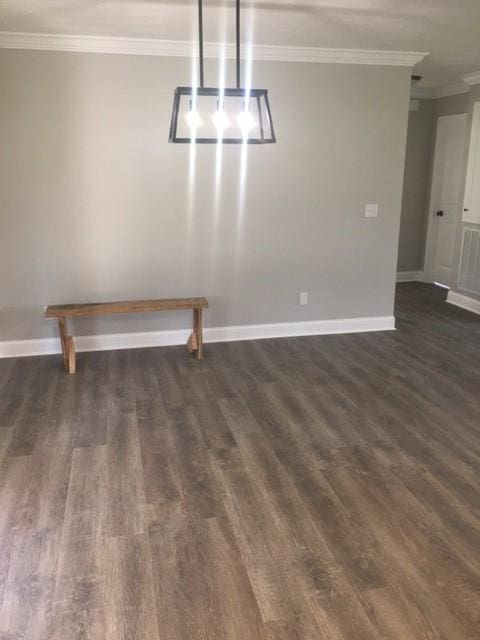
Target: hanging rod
x,y
237,25
200,41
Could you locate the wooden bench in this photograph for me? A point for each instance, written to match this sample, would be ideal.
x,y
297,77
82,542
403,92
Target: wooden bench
x,y
64,311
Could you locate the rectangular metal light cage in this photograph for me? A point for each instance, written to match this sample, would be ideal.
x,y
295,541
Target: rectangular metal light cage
x,y
206,102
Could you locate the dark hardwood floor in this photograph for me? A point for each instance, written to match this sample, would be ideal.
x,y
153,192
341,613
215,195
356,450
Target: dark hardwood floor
x,y
320,488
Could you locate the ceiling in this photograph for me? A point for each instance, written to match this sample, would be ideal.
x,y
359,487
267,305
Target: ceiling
x,y
449,30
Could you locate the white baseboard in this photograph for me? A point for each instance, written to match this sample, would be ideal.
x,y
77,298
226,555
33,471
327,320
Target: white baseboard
x,y
20,348
465,302
409,276
46,346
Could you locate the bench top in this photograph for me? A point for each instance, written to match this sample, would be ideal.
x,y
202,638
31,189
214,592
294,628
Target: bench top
x,y
125,306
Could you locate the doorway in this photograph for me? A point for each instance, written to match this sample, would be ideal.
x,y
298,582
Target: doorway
x,y
445,198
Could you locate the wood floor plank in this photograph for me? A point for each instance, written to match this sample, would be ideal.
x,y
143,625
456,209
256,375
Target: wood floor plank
x,y
15,514
7,366
34,413
125,501
198,485
30,583
46,493
5,439
396,617
79,597
212,424
298,536
91,398
16,389
130,608
161,482
397,549
202,589
353,549
263,555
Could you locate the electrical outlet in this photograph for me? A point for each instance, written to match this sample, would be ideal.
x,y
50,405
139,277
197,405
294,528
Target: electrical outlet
x,y
371,210
303,298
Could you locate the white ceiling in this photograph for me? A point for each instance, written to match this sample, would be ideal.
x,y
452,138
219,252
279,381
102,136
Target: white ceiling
x,y
448,29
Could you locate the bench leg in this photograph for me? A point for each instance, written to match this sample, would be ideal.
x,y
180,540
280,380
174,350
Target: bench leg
x,y
72,364
192,342
62,329
195,341
198,329
68,346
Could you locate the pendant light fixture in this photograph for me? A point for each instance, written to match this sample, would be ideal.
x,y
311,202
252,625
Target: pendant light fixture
x,y
212,115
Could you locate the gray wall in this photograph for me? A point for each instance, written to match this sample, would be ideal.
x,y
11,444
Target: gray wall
x,y
451,105
94,202
415,188
422,131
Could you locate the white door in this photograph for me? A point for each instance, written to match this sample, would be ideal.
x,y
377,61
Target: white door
x,y
471,206
445,203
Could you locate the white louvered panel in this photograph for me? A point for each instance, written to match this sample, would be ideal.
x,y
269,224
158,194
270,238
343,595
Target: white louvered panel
x,y
469,278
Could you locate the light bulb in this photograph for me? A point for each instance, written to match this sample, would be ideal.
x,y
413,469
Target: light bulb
x,y
246,121
193,119
220,120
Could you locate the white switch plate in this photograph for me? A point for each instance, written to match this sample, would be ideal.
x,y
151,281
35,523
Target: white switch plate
x,y
304,297
371,210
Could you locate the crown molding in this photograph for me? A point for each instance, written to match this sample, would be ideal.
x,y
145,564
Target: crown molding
x,y
472,78
433,93
185,49
451,90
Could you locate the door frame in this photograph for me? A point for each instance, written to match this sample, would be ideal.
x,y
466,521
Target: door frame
x,y
435,190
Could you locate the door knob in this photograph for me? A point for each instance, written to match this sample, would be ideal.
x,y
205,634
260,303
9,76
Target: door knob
x,y
439,214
